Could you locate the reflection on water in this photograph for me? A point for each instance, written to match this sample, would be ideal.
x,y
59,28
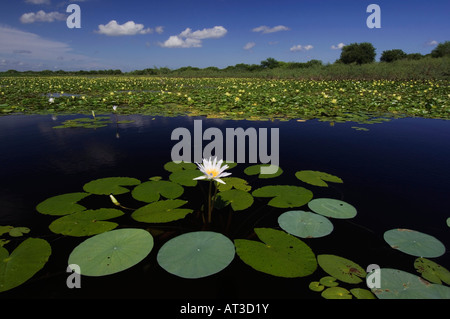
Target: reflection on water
x,y
397,173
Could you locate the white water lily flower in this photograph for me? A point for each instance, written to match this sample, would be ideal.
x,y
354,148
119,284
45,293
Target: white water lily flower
x,y
212,170
114,108
51,100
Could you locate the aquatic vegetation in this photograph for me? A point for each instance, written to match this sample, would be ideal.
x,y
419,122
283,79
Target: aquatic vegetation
x,y
336,101
197,240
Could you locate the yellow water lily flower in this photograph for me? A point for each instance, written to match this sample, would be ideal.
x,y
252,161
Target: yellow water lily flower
x,y
212,170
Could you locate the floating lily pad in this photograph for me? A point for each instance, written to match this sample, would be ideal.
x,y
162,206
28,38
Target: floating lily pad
x,y
14,231
431,271
23,263
238,199
316,286
150,191
328,281
86,223
234,182
336,293
62,204
110,185
341,268
305,224
317,178
112,251
256,170
174,167
360,293
284,196
196,254
398,284
161,212
279,254
414,243
332,208
185,177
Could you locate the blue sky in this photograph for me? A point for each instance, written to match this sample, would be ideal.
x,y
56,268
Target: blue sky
x,y
130,35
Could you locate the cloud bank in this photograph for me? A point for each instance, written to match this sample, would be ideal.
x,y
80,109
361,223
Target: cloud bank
x,y
193,39
112,28
299,47
266,29
42,16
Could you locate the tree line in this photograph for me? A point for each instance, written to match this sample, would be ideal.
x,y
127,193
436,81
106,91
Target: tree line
x,y
355,53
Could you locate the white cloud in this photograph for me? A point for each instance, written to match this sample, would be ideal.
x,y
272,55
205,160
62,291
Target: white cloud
x,y
189,39
38,1
432,43
338,47
159,29
20,48
266,29
128,28
299,47
249,45
42,16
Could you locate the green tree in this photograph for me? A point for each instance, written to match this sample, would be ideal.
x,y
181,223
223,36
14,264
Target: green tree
x,y
270,63
359,53
392,55
442,49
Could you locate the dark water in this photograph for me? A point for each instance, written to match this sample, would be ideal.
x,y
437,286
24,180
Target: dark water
x,y
397,175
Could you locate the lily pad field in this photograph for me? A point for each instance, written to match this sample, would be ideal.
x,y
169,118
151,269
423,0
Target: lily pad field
x,y
93,206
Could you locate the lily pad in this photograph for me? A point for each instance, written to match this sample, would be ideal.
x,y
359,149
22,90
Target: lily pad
x,y
317,178
150,191
398,284
23,263
161,212
279,254
316,286
336,293
110,185
238,199
112,251
174,167
284,196
256,170
62,204
332,208
360,293
196,254
185,177
431,271
328,281
18,231
234,182
86,223
414,243
305,224
341,268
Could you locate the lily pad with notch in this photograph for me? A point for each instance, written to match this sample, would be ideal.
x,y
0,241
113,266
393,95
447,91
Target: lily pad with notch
x,y
284,196
110,185
256,170
341,268
196,254
234,182
305,224
185,177
162,211
279,254
238,199
334,208
432,271
150,191
317,178
62,204
111,252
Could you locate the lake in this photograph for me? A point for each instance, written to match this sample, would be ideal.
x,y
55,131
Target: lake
x,y
396,174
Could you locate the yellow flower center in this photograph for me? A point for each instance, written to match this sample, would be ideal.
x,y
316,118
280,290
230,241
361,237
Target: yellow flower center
x,y
212,172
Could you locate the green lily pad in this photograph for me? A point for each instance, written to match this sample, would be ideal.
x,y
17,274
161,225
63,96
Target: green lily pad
x,y
316,286
317,178
161,212
414,243
336,293
256,170
110,185
305,224
360,293
150,191
112,251
23,263
341,268
234,182
185,177
18,231
332,208
279,254
431,271
328,281
62,204
398,284
448,222
238,199
196,254
284,196
86,223
174,167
